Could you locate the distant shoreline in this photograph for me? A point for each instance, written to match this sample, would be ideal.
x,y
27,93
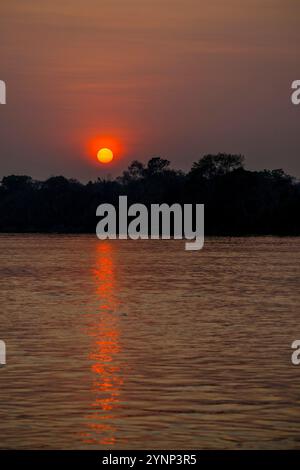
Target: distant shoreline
x,y
237,202
210,235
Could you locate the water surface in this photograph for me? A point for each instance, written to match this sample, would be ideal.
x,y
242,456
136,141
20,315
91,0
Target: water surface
x,y
140,344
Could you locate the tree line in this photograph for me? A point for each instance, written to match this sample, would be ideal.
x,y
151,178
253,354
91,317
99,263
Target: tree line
x,y
237,201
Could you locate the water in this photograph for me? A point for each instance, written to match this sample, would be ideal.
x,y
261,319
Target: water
x,y
140,344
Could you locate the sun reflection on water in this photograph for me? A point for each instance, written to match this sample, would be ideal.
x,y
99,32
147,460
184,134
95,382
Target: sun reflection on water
x,y
105,352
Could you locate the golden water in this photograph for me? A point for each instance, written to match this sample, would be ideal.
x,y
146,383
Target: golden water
x,y
140,344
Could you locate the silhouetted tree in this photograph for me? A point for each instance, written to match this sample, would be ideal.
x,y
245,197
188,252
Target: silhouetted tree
x,y
136,170
211,166
157,165
237,201
17,183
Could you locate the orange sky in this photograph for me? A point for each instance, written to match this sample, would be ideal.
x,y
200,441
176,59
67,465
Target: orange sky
x,y
176,78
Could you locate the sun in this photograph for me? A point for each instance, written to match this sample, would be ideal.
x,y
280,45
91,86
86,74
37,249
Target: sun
x,y
105,155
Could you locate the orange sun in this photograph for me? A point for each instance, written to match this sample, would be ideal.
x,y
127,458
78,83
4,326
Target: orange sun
x,y
105,155
104,149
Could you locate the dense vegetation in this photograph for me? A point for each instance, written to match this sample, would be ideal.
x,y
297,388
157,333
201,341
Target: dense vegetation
x,y
237,201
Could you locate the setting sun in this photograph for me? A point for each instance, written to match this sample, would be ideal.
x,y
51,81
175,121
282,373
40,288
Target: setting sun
x,y
105,155
106,149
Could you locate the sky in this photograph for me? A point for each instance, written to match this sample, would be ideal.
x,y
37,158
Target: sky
x,y
170,78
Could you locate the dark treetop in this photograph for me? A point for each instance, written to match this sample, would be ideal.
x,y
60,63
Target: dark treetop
x,y
237,201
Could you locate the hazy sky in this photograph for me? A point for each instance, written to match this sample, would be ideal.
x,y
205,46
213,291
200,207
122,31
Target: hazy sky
x,y
175,78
